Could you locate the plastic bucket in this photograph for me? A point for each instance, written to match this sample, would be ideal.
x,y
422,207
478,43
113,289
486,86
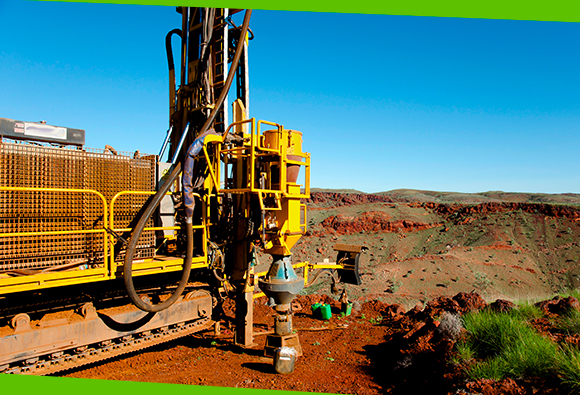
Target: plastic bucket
x,y
316,310
346,308
325,312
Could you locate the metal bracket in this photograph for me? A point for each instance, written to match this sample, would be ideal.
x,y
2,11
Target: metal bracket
x,y
276,195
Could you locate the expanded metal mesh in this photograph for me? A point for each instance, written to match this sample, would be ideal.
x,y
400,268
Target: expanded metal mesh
x,y
34,166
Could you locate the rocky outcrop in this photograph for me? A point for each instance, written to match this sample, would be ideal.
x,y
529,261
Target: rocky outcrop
x,y
559,305
548,210
372,221
336,199
345,199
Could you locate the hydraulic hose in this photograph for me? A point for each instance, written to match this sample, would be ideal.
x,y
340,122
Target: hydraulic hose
x,y
171,67
128,266
154,203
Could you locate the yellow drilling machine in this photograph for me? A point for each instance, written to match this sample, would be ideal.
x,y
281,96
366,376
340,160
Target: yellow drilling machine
x,y
106,252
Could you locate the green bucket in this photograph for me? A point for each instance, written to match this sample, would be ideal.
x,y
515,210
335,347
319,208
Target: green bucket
x,y
346,309
316,310
325,312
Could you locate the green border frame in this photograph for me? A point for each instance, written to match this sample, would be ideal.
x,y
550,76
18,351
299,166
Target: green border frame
x,y
554,10
535,10
41,385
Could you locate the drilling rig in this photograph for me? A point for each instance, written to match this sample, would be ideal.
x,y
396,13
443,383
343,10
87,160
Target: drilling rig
x,y
106,252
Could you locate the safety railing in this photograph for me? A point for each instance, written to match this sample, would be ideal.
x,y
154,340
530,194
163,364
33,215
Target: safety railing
x,y
202,261
59,273
257,147
45,243
59,232
280,149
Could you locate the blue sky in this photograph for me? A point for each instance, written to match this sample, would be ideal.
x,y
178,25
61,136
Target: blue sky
x,y
384,102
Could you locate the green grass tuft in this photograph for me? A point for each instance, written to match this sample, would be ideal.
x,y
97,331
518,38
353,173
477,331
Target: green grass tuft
x,y
463,353
568,323
569,368
504,345
527,311
490,369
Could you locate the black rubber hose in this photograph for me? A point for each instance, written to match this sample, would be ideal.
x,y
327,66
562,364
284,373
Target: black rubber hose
x,y
152,205
171,66
169,49
128,267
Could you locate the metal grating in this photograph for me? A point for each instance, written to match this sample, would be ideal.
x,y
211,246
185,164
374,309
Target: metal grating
x,y
29,165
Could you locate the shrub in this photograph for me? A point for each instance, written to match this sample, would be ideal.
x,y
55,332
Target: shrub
x,y
394,286
450,326
481,281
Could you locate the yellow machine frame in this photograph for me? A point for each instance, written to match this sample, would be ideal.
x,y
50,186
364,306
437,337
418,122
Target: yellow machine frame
x,y
287,203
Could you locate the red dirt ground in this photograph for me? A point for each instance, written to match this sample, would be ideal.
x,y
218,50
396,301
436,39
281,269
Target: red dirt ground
x,y
379,349
335,359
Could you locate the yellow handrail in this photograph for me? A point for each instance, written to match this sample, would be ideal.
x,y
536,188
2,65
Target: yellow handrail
x,y
112,223
63,232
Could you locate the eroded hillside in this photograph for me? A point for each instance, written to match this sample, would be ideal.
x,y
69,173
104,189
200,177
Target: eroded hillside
x,y
420,250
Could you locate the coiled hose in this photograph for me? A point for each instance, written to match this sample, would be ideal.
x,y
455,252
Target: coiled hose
x,y
154,203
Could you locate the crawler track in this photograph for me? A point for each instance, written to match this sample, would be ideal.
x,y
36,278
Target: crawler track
x,y
74,358
67,339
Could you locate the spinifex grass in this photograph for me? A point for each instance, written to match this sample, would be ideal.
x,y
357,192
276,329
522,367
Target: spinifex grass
x,y
569,368
501,345
527,311
507,347
568,323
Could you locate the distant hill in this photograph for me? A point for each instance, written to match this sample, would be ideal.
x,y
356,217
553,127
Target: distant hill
x,y
425,244
413,195
416,195
336,190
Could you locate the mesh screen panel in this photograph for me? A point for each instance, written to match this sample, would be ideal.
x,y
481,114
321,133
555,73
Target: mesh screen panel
x,y
34,166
